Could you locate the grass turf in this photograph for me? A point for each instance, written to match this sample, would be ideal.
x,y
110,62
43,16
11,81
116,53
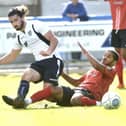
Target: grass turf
x,y
37,115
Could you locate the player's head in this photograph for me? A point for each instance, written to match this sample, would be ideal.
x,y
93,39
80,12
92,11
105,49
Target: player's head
x,y
115,54
16,16
110,57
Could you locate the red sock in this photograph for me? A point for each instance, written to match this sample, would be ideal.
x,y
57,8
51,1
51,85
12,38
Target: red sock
x,y
40,95
119,69
87,101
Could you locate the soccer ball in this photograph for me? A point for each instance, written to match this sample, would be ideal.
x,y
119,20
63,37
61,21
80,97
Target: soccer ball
x,y
111,100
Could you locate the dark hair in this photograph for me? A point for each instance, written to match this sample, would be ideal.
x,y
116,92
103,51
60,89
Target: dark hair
x,y
19,10
115,54
15,11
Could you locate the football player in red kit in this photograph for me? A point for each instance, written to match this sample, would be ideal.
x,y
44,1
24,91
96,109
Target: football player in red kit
x,y
92,86
118,41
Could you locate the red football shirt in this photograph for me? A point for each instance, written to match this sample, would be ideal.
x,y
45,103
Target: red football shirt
x,y
118,11
96,82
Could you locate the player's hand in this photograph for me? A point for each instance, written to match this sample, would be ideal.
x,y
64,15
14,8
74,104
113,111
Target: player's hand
x,y
84,51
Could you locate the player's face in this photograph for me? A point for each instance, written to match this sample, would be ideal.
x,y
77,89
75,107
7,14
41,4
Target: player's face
x,y
108,59
17,22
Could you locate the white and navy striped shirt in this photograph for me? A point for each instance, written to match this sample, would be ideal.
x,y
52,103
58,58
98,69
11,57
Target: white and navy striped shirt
x,y
30,40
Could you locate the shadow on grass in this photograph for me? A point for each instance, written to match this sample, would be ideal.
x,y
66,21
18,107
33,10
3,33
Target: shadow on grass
x,y
49,107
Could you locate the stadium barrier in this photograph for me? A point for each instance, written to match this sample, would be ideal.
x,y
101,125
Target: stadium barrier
x,y
93,34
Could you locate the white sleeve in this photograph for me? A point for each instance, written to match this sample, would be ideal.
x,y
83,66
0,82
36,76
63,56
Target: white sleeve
x,y
41,27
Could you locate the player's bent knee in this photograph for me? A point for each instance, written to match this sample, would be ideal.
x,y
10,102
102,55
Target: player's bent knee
x,y
75,100
31,75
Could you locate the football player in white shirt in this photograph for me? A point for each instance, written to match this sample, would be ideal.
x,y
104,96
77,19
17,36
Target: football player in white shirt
x,y
39,39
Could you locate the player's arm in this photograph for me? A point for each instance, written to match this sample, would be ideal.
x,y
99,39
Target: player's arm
x,y
53,43
94,62
72,81
10,57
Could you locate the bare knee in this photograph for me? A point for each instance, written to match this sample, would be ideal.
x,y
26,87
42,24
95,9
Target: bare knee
x,y
55,90
75,100
30,75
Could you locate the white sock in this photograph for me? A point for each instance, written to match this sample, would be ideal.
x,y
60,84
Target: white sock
x,y
28,101
98,103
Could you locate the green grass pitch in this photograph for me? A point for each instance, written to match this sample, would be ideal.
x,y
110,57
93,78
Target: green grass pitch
x,y
37,115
